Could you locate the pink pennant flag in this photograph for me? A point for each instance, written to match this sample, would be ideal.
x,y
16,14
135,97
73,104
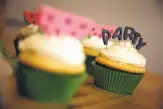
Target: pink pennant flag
x,y
31,17
97,31
58,22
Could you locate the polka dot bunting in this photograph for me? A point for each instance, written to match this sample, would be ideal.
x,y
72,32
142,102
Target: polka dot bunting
x,y
31,17
97,30
54,21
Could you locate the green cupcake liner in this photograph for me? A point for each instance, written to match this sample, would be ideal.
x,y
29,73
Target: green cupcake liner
x,y
89,66
115,80
45,86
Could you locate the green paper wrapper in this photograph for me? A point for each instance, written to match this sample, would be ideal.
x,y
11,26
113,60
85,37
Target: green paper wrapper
x,y
45,86
115,80
89,66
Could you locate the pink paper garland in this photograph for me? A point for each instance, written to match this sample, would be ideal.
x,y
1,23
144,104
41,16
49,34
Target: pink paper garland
x,y
31,17
58,22
97,31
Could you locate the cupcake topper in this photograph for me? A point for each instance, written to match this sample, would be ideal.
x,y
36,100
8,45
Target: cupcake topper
x,y
96,31
57,22
118,34
128,32
107,33
111,29
31,17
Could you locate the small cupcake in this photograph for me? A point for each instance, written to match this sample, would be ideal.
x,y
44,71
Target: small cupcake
x,y
50,68
92,46
120,68
52,64
25,32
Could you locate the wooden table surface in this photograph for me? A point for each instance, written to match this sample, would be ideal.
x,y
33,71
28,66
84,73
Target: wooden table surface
x,y
148,95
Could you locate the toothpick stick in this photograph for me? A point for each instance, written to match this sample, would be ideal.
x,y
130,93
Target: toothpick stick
x,y
124,43
106,48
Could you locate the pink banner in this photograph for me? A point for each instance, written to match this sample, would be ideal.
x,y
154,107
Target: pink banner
x,y
58,22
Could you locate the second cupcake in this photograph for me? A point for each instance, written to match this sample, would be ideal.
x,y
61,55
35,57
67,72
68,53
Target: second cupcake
x,y
120,68
92,47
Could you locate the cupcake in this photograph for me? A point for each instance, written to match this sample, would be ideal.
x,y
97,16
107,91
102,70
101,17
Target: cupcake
x,y
50,69
120,68
25,32
92,46
51,65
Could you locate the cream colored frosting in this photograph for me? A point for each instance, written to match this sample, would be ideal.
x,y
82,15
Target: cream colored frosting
x,y
34,28
30,29
66,49
125,52
95,42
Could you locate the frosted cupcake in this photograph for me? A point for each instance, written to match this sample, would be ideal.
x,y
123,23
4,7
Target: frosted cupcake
x,y
120,68
92,47
25,32
52,64
48,74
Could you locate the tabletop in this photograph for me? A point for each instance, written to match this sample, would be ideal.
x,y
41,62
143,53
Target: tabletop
x,y
148,95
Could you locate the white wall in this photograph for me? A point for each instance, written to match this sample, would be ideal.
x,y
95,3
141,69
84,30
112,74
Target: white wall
x,y
145,15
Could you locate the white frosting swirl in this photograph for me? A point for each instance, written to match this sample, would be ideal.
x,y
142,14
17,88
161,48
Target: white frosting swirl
x,y
125,52
68,49
95,42
34,28
30,29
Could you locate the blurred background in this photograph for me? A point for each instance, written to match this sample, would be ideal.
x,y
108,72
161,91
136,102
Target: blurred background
x,y
146,16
